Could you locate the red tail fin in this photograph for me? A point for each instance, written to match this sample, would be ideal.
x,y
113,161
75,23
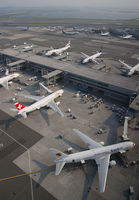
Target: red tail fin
x,y
19,106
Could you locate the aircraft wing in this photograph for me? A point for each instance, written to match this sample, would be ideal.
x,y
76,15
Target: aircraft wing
x,y
126,65
95,61
137,70
53,106
36,98
85,55
5,84
90,143
103,164
46,89
136,67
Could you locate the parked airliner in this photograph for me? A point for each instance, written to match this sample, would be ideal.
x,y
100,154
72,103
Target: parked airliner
x,y
130,70
41,101
4,80
91,58
58,51
101,154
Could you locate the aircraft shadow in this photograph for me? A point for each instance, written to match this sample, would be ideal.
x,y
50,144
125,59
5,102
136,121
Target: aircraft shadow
x,y
90,167
9,121
45,116
90,174
112,135
73,145
44,174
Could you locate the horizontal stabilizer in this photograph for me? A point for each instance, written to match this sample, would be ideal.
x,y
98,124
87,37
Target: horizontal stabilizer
x,y
24,115
5,84
59,167
13,109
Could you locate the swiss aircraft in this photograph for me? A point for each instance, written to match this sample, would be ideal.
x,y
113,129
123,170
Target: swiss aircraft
x,y
4,80
91,58
130,70
101,154
41,101
58,51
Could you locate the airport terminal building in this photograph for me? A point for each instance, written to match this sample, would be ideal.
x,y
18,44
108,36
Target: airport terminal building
x,y
112,85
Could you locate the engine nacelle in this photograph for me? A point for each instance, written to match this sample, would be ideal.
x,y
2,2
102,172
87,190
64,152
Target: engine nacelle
x,y
58,103
112,163
102,143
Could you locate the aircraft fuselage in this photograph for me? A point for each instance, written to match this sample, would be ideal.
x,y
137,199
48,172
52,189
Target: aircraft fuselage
x,y
97,152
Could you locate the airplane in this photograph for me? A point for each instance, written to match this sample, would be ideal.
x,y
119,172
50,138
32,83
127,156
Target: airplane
x,y
28,48
130,70
76,29
91,58
4,80
41,101
104,33
101,154
58,51
127,36
70,32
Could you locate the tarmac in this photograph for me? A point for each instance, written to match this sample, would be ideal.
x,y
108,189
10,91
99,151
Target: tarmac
x,y
39,133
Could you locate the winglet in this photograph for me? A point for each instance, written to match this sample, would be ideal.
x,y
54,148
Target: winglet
x,y
5,85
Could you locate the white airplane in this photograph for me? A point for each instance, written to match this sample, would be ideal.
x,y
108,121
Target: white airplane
x,y
127,36
101,154
28,48
70,32
4,80
130,70
58,51
91,58
104,33
41,101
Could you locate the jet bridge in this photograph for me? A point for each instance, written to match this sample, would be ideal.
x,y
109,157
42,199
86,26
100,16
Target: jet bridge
x,y
52,76
16,65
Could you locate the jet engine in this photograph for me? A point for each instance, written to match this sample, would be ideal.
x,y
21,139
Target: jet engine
x,y
102,143
112,163
58,103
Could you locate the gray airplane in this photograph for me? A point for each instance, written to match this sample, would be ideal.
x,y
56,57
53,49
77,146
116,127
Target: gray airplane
x,y
101,154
